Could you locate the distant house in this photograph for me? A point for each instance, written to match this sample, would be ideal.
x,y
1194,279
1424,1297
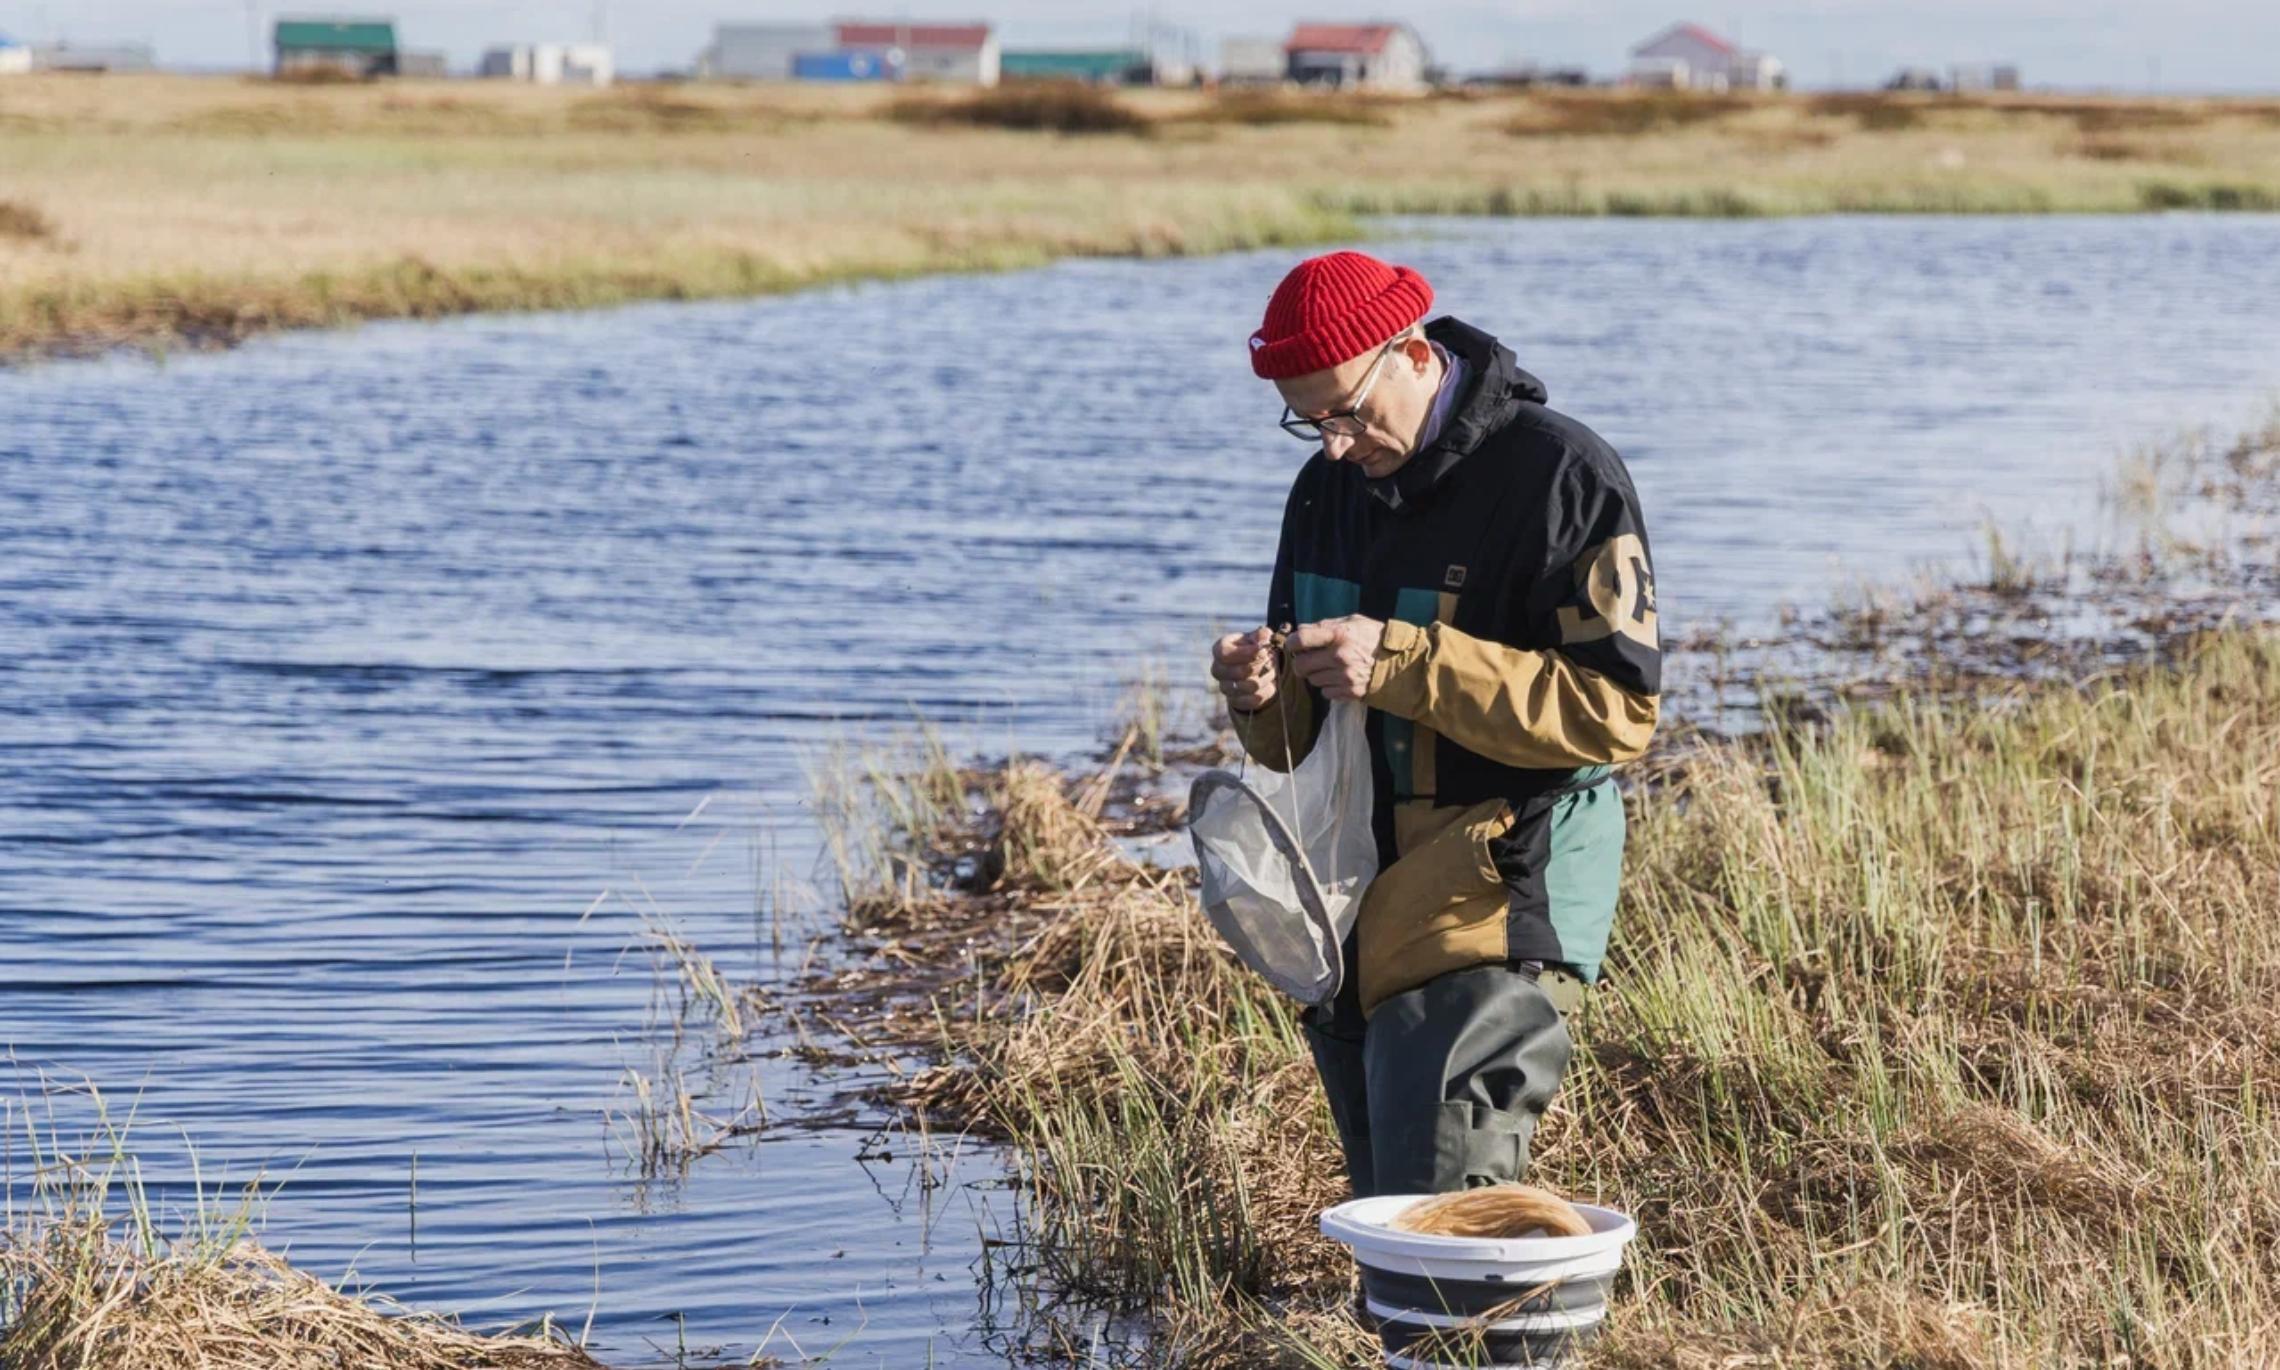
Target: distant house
x,y
1914,78
351,47
1094,66
93,58
761,52
15,58
852,51
1386,57
960,54
551,64
1976,76
1691,57
1252,62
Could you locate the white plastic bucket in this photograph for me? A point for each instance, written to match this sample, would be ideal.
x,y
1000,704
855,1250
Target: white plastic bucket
x,y
1527,1300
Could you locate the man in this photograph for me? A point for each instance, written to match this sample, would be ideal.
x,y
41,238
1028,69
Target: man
x,y
1472,566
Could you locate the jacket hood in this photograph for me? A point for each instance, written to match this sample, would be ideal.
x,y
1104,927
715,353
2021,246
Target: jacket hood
x,y
1495,388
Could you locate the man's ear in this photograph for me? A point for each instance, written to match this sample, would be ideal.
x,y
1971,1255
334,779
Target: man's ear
x,y
1417,351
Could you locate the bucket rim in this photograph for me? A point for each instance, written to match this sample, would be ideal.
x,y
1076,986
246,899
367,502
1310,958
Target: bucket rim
x,y
1362,1226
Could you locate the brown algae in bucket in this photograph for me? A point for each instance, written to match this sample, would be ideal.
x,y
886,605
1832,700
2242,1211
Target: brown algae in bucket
x,y
1497,1210
1495,1277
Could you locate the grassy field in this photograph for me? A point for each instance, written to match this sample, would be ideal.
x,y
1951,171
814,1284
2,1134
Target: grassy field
x,y
170,211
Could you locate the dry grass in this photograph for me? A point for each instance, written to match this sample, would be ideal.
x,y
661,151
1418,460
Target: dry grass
x,y
1942,1034
89,1282
312,76
1034,106
2110,148
205,210
91,1302
1949,1025
1874,111
24,223
1268,107
1584,114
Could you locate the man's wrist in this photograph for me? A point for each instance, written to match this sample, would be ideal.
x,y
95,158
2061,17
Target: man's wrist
x,y
1395,683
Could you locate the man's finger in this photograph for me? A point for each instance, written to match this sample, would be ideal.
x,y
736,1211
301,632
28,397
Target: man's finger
x,y
1252,663
1315,636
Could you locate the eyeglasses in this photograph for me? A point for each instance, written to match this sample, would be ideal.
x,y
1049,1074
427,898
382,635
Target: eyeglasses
x,y
1347,422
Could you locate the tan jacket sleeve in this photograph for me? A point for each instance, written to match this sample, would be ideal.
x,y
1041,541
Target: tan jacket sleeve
x,y
1280,735
1534,709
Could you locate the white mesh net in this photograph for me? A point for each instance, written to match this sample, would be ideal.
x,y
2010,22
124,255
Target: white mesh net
x,y
1285,858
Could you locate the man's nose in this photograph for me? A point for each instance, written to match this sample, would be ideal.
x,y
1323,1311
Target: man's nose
x,y
1336,445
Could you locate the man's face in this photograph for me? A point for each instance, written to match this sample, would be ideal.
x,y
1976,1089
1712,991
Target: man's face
x,y
1392,412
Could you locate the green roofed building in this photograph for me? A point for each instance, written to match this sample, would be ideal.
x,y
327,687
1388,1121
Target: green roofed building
x,y
351,47
1099,66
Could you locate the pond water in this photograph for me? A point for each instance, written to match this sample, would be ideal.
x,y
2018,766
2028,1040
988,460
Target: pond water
x,y
345,672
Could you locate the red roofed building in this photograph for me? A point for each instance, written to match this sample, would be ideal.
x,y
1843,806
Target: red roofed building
x,y
1356,56
1691,57
965,54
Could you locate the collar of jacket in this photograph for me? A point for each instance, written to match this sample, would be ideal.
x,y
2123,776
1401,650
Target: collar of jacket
x,y
1496,387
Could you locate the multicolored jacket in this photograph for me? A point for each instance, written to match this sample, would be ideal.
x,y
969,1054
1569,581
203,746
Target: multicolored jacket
x,y
1520,665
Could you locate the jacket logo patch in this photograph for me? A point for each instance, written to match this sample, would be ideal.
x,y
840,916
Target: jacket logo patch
x,y
1617,587
1455,579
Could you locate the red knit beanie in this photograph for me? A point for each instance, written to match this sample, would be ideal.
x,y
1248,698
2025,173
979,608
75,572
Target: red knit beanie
x,y
1333,308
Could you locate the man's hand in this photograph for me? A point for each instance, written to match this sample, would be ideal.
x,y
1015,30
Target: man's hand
x,y
1244,666
1335,655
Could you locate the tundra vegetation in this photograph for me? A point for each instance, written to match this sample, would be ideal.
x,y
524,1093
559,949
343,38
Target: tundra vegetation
x,y
175,211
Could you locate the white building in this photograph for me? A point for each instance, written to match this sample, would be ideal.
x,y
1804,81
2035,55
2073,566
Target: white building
x,y
15,58
1252,62
551,64
1383,57
761,52
92,58
1978,76
1691,57
957,54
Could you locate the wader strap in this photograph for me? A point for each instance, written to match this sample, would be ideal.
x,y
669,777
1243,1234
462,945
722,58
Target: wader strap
x,y
1563,987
